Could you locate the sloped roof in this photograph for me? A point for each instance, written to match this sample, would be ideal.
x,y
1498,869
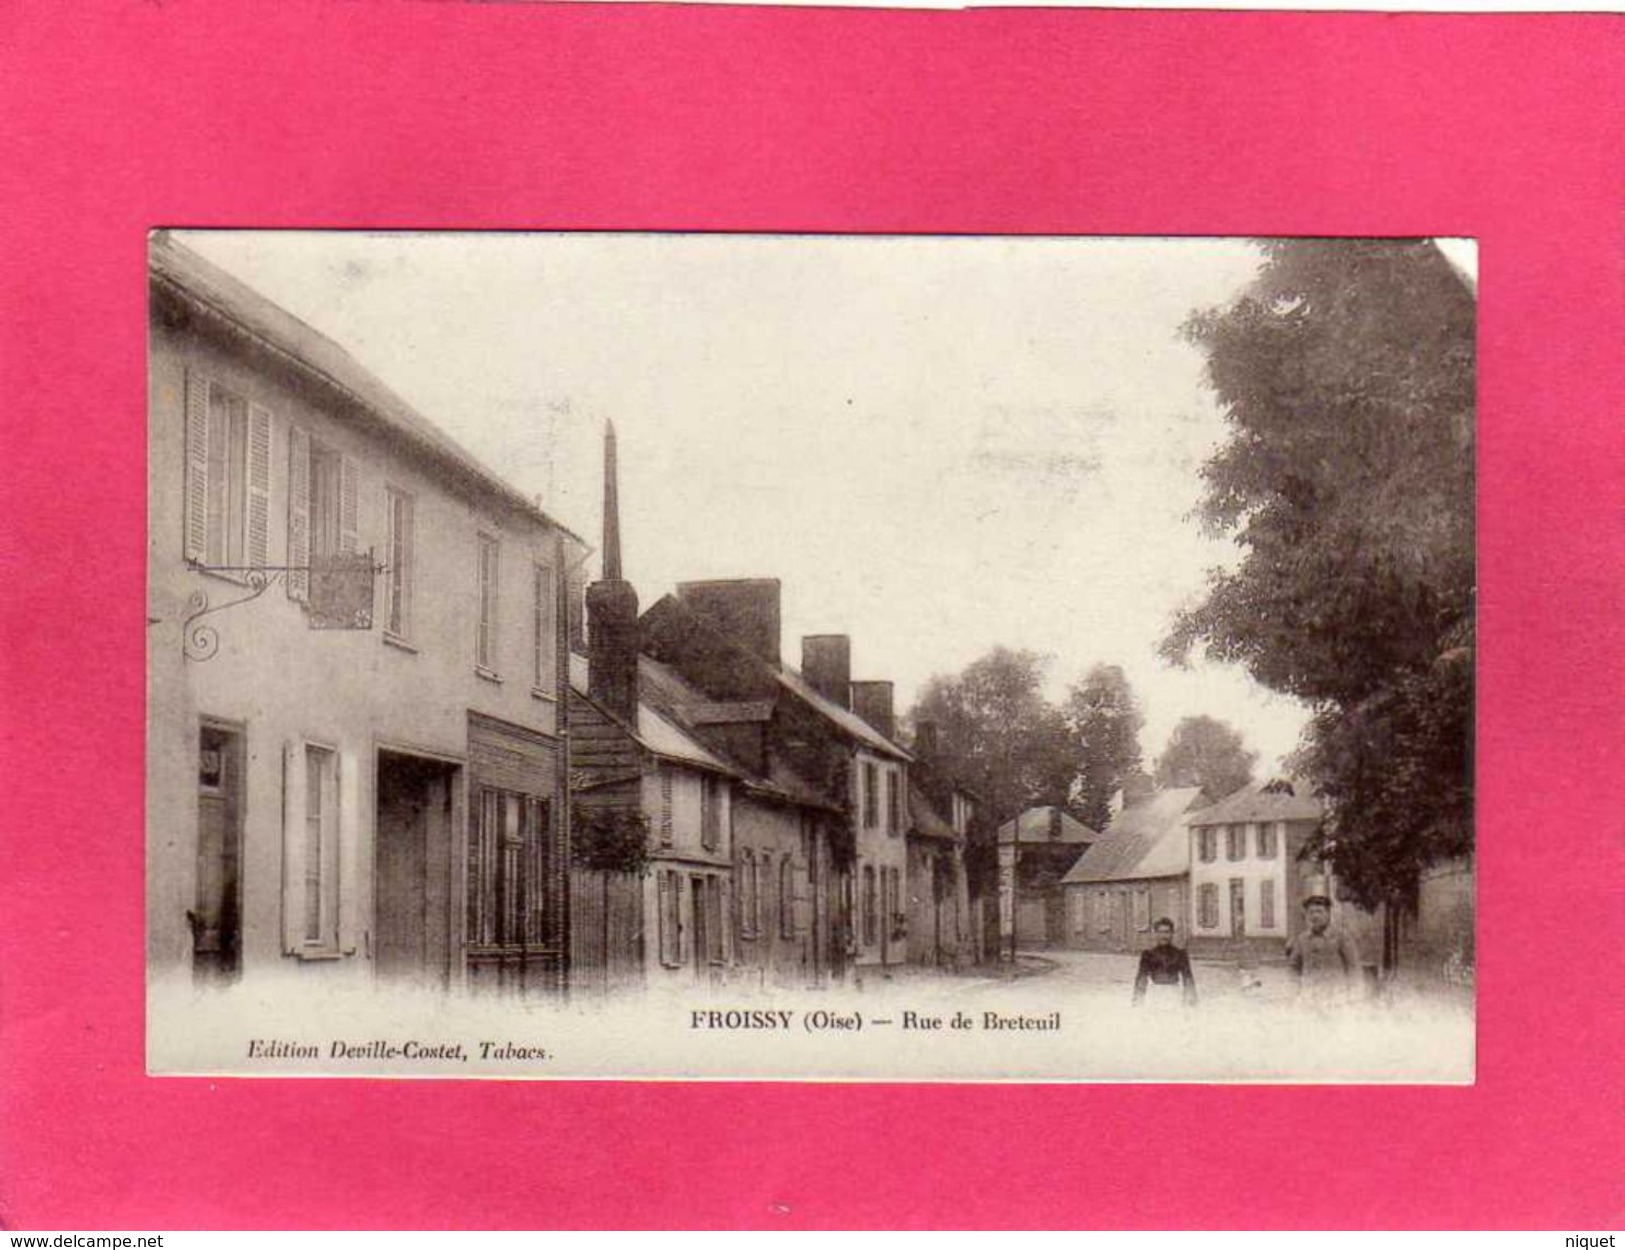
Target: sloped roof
x,y
850,722
1034,826
927,823
182,271
657,733
666,696
1255,802
1149,839
847,721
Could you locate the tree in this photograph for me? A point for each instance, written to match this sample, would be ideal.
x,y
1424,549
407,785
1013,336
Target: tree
x,y
1208,753
1346,373
1105,720
998,735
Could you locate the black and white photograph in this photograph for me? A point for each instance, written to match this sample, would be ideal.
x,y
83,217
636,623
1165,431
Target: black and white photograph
x,y
811,657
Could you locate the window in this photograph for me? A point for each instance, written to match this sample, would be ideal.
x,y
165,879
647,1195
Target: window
x,y
543,628
1207,844
1266,903
1142,910
313,826
870,933
787,898
746,895
485,643
1074,907
1266,841
871,796
710,812
323,507
893,891
715,944
398,508
228,478
1103,911
505,869
1207,906
665,807
320,843
1235,842
894,805
671,925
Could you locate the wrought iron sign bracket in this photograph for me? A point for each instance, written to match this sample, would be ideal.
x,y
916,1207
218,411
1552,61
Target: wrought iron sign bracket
x,y
200,641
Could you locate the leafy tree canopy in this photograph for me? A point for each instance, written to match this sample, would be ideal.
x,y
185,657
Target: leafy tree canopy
x,y
1346,373
1205,752
1105,720
998,735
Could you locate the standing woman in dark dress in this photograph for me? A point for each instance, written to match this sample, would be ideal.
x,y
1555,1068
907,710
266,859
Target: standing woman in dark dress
x,y
1165,966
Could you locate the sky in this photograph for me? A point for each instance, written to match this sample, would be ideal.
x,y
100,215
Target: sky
x,y
937,444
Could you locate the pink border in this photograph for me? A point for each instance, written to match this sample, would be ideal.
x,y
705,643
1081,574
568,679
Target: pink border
x,y
389,113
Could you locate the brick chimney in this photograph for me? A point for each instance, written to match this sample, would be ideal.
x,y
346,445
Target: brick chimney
x,y
925,740
746,609
872,700
826,663
612,613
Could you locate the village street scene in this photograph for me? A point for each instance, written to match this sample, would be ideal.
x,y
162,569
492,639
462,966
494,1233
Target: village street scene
x,y
1007,629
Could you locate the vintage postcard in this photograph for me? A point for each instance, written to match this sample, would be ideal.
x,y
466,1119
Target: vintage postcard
x,y
808,657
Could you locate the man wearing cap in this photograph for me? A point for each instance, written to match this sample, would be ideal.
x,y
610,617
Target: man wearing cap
x,y
1166,968
1326,961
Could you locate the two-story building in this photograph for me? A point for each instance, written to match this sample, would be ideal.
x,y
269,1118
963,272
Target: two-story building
x,y
1247,872
356,672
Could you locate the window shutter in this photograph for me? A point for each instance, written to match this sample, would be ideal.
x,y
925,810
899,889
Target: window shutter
x,y
298,514
259,485
196,538
408,550
349,505
349,813
293,847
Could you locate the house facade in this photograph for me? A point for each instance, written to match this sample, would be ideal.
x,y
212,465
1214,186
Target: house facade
x,y
349,778
942,929
1248,873
1136,874
670,921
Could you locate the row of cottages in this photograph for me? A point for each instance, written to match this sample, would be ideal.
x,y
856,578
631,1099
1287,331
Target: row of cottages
x,y
811,731
348,776
767,825
1136,874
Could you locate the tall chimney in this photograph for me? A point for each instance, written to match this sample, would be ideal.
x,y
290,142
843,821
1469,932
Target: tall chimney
x,y
612,613
925,740
826,663
745,609
872,700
